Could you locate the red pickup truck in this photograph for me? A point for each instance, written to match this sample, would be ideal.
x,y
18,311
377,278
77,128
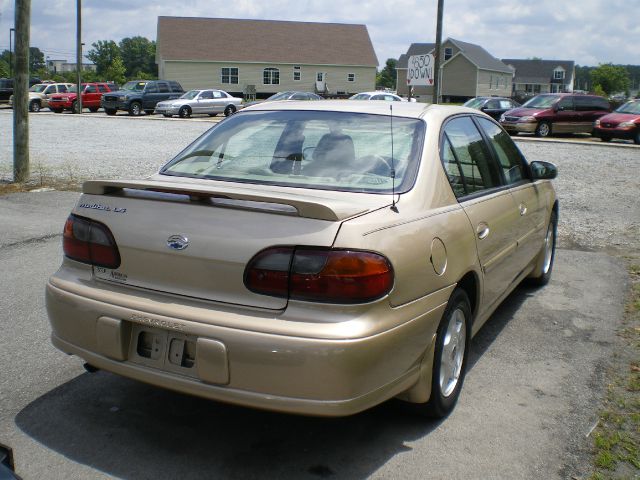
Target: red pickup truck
x,y
91,95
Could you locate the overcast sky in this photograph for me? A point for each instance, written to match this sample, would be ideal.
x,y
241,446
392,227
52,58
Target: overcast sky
x,y
589,32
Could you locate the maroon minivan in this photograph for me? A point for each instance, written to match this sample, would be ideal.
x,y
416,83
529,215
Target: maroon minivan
x,y
551,113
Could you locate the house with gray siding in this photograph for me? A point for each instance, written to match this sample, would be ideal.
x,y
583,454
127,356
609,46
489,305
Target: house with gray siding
x,y
265,56
466,71
536,76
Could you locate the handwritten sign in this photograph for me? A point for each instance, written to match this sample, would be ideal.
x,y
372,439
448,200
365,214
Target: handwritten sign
x,y
420,70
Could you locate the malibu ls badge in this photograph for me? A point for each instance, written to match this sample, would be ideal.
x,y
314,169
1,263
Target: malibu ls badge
x,y
177,242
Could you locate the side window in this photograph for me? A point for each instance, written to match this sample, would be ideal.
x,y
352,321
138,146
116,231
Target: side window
x,y
584,104
452,167
493,104
566,103
298,96
91,89
163,87
478,170
602,104
377,97
103,88
175,87
151,88
206,95
62,89
50,89
506,151
217,94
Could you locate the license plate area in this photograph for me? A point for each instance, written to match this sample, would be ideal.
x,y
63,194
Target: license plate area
x,y
164,350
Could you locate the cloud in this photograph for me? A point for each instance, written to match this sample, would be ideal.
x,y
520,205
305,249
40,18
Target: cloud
x,y
589,31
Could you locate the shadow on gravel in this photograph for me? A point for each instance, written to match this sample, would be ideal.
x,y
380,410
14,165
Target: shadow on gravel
x,y
135,431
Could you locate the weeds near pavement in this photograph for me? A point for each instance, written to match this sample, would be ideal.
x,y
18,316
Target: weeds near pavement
x,y
616,440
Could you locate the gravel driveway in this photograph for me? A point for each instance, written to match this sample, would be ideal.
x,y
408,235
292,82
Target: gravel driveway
x,y
597,185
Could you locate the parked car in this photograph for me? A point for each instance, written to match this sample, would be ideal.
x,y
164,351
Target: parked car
x,y
6,88
492,106
91,94
210,102
307,259
386,96
39,94
290,95
624,123
552,113
141,95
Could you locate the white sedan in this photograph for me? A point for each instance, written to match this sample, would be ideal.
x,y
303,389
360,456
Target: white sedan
x,y
385,96
210,102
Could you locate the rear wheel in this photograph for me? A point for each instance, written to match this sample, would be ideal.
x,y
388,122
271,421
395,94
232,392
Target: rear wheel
x,y
110,111
74,107
230,110
450,356
93,109
184,112
543,129
34,106
166,115
544,265
135,109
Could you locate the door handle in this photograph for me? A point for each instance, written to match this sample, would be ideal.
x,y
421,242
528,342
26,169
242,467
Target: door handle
x,y
482,231
523,209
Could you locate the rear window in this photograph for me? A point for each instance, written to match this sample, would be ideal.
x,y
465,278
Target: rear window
x,y
319,150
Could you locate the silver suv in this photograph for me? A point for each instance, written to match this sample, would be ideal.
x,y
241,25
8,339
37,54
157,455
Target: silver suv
x,y
39,94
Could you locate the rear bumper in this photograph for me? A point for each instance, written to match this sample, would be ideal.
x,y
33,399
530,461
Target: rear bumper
x,y
274,371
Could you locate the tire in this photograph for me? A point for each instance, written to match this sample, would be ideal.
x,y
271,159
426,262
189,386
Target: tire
x,y
543,129
450,355
605,138
93,109
166,115
184,112
229,110
74,107
149,112
544,262
135,109
212,114
636,137
34,106
110,111
56,110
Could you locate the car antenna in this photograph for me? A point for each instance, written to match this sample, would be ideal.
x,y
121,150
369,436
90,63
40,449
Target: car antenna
x,y
393,168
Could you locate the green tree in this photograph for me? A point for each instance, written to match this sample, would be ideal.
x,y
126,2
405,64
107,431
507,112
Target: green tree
x,y
36,60
115,72
138,55
4,68
386,78
611,78
104,54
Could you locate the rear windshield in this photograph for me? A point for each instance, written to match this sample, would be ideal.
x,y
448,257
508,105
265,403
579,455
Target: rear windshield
x,y
541,101
318,150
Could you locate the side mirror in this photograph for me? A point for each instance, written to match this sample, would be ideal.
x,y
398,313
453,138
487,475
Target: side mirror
x,y
543,170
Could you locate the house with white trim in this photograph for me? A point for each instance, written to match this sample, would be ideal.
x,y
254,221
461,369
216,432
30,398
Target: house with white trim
x,y
532,77
265,56
466,70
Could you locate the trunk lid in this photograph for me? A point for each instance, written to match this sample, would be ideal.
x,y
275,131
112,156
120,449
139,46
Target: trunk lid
x,y
188,238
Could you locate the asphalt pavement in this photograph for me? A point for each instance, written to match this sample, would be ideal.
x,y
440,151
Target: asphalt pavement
x,y
530,400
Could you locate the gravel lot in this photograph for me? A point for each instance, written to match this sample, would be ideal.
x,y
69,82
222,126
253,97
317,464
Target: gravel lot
x,y
597,185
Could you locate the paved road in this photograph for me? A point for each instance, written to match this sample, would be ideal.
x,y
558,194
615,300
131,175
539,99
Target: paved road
x,y
536,372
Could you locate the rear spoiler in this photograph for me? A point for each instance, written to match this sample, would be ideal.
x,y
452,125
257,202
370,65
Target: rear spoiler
x,y
307,206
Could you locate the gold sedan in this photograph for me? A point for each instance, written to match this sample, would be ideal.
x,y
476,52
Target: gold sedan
x,y
307,257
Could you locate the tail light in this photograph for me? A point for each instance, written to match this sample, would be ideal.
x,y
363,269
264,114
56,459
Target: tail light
x,y
91,242
320,275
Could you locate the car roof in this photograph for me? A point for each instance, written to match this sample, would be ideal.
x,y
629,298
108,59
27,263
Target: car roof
x,y
401,109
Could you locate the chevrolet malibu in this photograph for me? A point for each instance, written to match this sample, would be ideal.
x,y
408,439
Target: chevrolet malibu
x,y
307,257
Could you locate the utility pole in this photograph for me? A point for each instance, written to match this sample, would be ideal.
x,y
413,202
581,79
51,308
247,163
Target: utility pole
x,y
436,70
21,93
79,53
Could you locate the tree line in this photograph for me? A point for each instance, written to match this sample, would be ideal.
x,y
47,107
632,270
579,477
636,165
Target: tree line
x,y
131,58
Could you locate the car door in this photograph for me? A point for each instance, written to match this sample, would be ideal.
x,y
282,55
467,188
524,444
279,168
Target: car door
x,y
90,96
492,108
219,101
566,119
531,226
478,183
